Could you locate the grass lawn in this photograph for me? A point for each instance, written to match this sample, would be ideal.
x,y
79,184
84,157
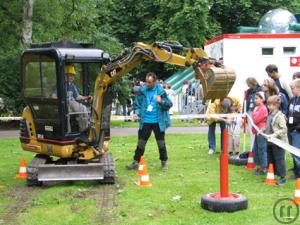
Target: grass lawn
x,y
192,174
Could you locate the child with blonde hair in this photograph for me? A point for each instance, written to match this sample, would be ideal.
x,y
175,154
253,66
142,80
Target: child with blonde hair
x,y
235,125
276,127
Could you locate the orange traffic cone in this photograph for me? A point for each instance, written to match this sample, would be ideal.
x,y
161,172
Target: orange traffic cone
x,y
297,193
22,171
250,164
270,180
145,180
141,166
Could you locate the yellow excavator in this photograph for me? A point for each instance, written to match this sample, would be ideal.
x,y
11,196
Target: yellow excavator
x,y
50,128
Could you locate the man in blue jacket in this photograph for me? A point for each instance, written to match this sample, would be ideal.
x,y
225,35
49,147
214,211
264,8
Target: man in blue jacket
x,y
151,108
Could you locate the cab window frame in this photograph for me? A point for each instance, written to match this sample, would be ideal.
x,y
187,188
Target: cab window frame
x,y
44,87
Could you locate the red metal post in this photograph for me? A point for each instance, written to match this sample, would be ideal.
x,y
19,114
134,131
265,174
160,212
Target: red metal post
x,y
224,166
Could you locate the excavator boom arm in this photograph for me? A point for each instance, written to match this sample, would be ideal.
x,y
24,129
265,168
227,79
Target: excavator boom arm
x,y
157,52
216,81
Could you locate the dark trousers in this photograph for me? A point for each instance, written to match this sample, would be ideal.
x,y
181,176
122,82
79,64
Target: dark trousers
x,y
276,155
144,135
295,136
260,151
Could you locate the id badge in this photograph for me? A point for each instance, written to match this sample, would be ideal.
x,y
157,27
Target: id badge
x,y
291,120
251,105
149,108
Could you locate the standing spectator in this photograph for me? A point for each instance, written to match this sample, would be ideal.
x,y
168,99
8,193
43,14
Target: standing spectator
x,y
151,108
283,87
254,87
198,92
259,117
184,92
171,94
294,124
276,127
235,128
190,91
269,88
296,75
218,107
127,108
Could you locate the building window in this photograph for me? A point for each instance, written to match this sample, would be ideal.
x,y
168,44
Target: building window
x,y
289,50
267,51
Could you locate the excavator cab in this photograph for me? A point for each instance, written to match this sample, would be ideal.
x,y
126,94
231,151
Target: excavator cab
x,y
46,89
76,133
50,125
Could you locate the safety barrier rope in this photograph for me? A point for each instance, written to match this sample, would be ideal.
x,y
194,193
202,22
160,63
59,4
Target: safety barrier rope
x,y
293,150
174,117
10,118
283,145
190,116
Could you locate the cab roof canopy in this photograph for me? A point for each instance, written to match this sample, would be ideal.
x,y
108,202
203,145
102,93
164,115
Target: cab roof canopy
x,y
72,52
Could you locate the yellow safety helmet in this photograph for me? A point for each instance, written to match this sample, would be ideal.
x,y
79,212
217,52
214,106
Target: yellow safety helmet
x,y
70,70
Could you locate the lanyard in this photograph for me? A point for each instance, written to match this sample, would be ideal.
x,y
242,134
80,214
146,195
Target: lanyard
x,y
294,105
149,100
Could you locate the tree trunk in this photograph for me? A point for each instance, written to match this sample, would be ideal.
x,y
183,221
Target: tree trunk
x,y
27,21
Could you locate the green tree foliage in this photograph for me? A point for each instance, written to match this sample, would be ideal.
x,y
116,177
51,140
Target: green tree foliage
x,y
10,20
233,13
152,20
75,20
10,90
113,24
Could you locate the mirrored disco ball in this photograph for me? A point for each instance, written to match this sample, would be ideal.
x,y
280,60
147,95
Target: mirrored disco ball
x,y
276,21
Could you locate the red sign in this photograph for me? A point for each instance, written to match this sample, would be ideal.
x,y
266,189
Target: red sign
x,y
294,61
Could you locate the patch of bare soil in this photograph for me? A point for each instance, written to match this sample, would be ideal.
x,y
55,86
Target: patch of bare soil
x,y
21,196
105,197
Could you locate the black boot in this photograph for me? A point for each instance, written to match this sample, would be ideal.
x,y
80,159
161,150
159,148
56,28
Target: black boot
x,y
164,165
133,165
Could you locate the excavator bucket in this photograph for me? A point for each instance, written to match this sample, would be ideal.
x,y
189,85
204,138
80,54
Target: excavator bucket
x,y
216,81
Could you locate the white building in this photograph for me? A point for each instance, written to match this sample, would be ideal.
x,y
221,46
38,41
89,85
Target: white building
x,y
249,54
